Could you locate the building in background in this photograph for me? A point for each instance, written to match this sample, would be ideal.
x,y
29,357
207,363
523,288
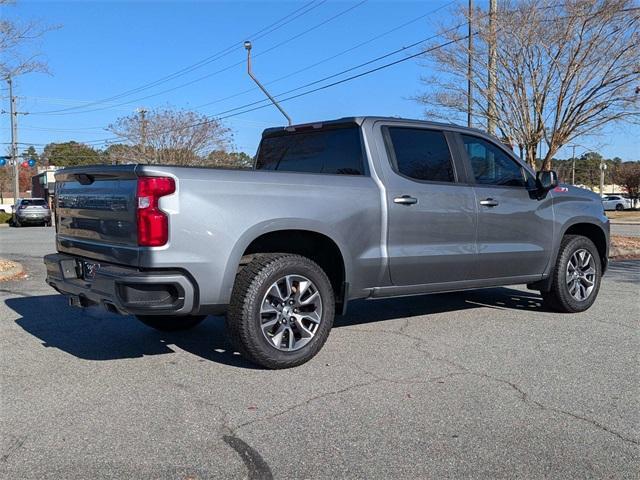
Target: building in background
x,y
43,184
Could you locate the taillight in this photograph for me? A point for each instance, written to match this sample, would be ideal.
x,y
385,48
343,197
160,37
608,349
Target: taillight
x,y
153,223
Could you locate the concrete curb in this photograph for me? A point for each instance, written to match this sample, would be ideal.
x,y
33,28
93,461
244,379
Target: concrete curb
x,y
15,270
618,253
4,225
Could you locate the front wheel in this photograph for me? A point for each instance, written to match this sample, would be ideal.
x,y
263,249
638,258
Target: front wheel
x,y
619,207
171,323
281,310
576,276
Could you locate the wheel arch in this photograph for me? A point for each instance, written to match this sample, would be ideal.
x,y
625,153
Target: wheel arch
x,y
596,234
317,242
585,227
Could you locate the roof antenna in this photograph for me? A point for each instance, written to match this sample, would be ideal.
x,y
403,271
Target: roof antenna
x,y
247,46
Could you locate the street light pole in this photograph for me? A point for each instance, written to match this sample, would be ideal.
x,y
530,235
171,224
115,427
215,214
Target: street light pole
x,y
247,46
603,167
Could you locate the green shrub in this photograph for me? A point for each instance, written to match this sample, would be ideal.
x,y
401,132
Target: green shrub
x,y
5,217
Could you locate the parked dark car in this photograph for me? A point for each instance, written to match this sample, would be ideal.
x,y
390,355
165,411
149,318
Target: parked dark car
x,y
31,211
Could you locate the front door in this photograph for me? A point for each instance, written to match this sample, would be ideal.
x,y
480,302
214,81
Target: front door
x,y
432,216
515,228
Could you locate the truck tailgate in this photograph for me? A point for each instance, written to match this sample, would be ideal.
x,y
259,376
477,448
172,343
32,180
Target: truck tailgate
x,y
96,213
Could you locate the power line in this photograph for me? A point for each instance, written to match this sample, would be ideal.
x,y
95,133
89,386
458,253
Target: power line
x,y
216,118
353,77
327,59
209,75
217,72
350,69
212,58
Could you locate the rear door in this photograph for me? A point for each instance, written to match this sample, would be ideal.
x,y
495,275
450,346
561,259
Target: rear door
x,y
515,227
96,213
432,213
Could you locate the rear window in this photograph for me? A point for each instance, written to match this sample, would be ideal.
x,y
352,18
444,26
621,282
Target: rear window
x,y
335,151
34,202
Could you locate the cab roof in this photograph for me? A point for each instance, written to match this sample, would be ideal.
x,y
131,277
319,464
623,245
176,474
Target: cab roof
x,y
359,120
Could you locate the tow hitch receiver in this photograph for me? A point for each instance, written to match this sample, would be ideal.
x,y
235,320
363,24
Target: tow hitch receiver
x,y
77,301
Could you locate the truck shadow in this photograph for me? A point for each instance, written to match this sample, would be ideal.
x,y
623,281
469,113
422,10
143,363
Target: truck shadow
x,y
94,334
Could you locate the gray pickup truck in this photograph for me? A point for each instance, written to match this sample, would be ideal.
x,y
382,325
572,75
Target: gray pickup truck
x,y
365,207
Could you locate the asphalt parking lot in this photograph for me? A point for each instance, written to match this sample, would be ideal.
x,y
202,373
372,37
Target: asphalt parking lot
x,y
481,384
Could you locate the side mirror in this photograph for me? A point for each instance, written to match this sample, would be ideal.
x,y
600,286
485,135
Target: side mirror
x,y
547,179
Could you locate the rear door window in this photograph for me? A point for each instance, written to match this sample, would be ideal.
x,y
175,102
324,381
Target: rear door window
x,y
335,151
421,154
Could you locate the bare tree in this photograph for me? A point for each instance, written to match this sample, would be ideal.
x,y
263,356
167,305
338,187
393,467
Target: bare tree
x,y
14,58
176,137
562,71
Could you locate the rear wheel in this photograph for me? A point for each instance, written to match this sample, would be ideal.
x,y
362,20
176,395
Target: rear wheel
x,y
619,207
576,276
171,323
281,310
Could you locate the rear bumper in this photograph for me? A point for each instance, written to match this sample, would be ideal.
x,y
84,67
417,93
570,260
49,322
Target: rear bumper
x,y
33,218
123,290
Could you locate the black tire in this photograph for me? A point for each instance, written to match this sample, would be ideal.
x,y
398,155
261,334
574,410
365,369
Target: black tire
x,y
16,223
619,207
559,298
244,318
171,323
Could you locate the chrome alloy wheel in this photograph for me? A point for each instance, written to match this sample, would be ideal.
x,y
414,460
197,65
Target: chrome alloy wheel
x,y
581,275
291,312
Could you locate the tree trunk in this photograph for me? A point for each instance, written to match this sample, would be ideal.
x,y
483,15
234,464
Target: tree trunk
x,y
530,152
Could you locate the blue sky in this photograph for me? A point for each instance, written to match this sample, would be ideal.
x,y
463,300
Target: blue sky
x,y
105,48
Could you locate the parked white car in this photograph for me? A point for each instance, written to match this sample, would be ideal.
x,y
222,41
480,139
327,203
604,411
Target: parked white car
x,y
6,208
616,202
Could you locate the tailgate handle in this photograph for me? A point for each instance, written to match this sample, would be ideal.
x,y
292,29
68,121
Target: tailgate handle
x,y
84,179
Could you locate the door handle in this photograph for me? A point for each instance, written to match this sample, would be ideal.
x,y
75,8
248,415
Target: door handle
x,y
489,202
405,200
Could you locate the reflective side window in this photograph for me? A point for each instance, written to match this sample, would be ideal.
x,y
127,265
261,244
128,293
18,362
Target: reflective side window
x,y
421,154
334,151
490,165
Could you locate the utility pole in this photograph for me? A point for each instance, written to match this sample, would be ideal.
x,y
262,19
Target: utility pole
x,y
14,140
491,81
143,131
573,165
603,167
13,113
470,69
